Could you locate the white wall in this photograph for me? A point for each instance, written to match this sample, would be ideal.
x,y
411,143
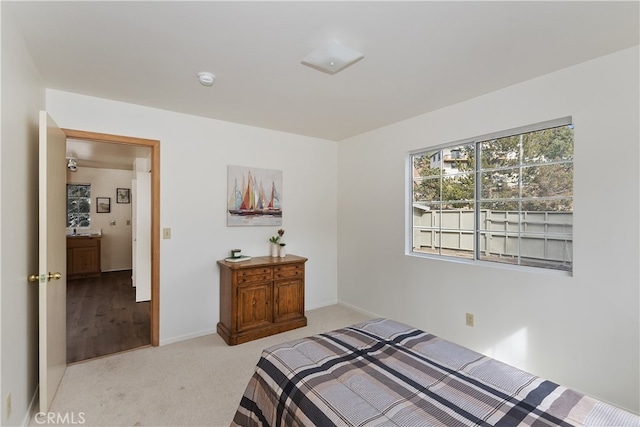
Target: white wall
x,y
115,245
195,153
581,331
22,96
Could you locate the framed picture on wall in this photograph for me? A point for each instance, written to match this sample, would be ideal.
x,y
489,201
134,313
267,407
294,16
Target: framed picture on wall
x,y
123,195
254,196
103,204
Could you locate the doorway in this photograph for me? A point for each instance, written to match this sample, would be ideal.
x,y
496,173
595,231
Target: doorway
x,y
118,282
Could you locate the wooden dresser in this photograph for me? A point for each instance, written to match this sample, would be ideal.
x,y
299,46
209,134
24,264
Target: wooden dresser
x,y
83,257
261,297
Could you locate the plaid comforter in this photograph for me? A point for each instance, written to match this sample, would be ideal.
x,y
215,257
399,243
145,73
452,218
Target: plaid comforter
x,y
385,373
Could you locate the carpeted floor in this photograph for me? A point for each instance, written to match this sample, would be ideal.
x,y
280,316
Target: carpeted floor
x,y
198,382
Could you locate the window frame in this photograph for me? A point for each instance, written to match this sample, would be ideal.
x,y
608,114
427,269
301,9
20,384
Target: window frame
x,y
477,200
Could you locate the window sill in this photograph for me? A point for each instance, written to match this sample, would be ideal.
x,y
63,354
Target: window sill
x,y
484,264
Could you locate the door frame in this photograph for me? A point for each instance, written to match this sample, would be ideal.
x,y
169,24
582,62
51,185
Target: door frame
x,y
154,144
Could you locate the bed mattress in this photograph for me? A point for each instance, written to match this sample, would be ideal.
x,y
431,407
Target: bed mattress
x,y
385,373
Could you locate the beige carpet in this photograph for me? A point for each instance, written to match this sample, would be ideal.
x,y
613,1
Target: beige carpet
x,y
198,382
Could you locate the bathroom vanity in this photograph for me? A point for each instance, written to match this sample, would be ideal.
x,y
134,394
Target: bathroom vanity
x,y
83,256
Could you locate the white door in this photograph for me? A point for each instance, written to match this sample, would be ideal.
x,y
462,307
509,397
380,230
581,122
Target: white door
x,y
141,199
52,264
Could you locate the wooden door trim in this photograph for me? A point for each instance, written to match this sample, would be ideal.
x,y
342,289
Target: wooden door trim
x,y
154,144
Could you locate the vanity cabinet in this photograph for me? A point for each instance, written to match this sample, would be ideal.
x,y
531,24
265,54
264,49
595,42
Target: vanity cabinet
x,y
261,297
83,256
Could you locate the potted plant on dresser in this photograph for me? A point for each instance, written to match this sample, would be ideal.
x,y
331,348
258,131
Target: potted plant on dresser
x,y
277,246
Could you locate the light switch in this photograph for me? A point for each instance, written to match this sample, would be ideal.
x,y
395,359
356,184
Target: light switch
x,y
166,233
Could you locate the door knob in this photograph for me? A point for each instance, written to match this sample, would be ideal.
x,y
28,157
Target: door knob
x,y
54,276
49,276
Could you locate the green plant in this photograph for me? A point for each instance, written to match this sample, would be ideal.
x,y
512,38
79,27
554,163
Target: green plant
x,y
276,239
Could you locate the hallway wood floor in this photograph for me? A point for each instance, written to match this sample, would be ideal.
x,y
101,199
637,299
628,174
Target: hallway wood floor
x,y
103,316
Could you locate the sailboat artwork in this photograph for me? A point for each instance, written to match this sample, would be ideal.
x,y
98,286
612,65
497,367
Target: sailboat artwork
x,y
254,196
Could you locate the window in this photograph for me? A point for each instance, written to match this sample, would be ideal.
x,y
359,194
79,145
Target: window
x,y
78,205
505,198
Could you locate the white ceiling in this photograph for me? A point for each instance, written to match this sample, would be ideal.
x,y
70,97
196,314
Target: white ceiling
x,y
419,56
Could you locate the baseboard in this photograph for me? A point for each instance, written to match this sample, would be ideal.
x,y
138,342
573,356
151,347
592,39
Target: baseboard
x,y
187,336
359,310
324,304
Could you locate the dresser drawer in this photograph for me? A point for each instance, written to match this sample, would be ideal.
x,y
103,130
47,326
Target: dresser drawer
x,y
288,271
253,275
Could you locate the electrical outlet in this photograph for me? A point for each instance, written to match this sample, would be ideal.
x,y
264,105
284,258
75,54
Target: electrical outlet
x,y
469,319
166,233
8,406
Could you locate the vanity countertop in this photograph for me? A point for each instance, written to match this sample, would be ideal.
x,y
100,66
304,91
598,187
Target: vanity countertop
x,y
84,232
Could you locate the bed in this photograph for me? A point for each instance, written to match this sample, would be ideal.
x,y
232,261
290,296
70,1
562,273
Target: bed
x,y
382,372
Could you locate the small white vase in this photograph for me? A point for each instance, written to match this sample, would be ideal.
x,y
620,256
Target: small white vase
x,y
274,250
282,252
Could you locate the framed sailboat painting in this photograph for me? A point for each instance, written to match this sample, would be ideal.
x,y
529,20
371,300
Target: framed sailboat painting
x,y
254,196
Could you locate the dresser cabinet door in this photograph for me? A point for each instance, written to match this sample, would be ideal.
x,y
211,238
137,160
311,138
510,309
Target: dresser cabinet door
x,y
289,299
254,309
288,292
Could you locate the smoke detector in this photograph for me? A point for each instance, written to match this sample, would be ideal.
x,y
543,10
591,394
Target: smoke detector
x,y
206,78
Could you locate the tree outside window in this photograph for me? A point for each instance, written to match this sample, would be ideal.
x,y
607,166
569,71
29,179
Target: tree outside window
x,y
78,205
506,199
